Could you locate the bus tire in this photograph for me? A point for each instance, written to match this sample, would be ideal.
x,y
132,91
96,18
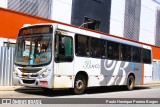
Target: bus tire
x,y
79,85
130,83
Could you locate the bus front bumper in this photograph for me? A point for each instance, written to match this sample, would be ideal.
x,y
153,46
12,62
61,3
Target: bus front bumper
x,y
33,82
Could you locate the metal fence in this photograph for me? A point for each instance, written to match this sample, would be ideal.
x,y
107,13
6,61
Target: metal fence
x,y
6,65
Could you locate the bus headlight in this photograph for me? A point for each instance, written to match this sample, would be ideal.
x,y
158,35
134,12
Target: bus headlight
x,y
15,74
44,74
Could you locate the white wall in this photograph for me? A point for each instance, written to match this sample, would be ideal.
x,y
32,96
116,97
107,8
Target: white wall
x,y
2,40
148,21
61,10
3,3
117,17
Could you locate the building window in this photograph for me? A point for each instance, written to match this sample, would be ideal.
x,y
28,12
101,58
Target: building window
x,y
99,1
91,23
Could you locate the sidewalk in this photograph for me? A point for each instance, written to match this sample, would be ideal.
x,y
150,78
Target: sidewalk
x,y
153,83
13,88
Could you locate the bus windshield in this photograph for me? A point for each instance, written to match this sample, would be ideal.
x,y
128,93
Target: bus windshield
x,y
33,49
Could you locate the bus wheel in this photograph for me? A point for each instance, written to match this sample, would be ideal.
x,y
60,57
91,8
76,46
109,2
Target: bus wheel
x,y
79,85
130,83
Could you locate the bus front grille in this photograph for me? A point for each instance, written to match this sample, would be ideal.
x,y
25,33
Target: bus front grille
x,y
26,76
28,70
29,81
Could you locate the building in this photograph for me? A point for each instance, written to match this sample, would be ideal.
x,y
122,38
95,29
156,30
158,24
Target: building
x,y
134,19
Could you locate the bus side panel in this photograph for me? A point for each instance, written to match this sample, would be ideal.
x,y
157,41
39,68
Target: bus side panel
x,y
63,75
103,72
147,73
118,71
92,66
99,80
148,69
63,81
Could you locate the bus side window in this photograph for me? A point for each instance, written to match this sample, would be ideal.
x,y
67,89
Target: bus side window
x,y
103,49
82,45
112,50
98,48
95,48
136,54
125,52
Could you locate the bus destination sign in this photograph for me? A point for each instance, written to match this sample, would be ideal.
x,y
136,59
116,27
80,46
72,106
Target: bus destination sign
x,y
35,30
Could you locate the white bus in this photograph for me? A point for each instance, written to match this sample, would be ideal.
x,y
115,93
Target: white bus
x,y
57,56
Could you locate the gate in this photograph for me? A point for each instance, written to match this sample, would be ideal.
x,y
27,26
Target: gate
x,y
6,65
156,71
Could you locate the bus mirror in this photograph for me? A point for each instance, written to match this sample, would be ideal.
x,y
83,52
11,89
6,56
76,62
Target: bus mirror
x,y
58,33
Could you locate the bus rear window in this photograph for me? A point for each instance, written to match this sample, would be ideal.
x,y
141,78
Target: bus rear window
x,y
146,54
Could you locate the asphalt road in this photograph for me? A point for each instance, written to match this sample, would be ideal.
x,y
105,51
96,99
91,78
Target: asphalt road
x,y
147,91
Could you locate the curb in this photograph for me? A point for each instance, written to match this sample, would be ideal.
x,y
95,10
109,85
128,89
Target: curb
x,y
13,88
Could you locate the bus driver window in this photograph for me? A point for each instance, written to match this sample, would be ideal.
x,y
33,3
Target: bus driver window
x,y
63,48
59,48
